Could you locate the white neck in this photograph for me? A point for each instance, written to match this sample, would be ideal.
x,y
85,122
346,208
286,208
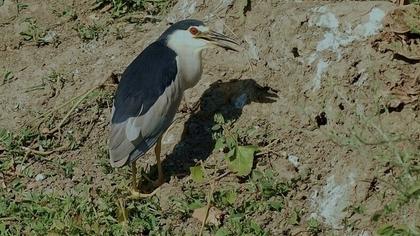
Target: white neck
x,y
190,68
188,52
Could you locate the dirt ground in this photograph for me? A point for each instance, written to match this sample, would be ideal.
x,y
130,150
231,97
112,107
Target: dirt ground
x,y
329,90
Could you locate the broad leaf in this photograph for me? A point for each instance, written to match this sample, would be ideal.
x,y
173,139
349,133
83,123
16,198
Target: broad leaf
x,y
220,144
230,197
241,160
197,173
222,232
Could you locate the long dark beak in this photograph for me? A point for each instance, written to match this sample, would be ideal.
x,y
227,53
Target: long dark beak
x,y
220,40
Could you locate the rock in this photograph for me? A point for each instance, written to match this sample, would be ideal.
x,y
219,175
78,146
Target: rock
x,y
40,177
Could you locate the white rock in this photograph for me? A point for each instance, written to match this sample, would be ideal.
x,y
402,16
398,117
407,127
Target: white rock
x,y
334,38
39,177
320,69
294,160
372,26
332,199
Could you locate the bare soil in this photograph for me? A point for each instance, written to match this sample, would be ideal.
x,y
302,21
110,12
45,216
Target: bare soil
x,y
316,81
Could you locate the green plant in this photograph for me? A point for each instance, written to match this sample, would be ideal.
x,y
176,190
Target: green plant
x,y
21,6
89,32
225,197
54,79
263,191
268,184
34,33
122,7
68,13
389,230
73,214
314,226
240,225
8,76
239,158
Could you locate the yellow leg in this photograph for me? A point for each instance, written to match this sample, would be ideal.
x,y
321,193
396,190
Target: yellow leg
x,y
134,183
158,147
135,193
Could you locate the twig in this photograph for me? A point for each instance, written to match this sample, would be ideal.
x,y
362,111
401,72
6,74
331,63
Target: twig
x,y
266,149
121,205
42,116
217,178
53,110
271,143
43,153
208,208
8,219
380,142
81,98
222,176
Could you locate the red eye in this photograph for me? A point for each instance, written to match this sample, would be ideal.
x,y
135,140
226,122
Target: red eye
x,y
193,30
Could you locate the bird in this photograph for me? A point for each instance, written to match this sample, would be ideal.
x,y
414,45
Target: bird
x,y
151,89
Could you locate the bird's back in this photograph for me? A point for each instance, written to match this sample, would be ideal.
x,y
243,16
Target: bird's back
x,y
145,103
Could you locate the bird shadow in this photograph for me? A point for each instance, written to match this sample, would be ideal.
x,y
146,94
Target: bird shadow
x,y
197,143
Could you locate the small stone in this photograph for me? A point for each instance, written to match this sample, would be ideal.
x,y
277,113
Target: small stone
x,y
50,37
45,130
294,160
39,177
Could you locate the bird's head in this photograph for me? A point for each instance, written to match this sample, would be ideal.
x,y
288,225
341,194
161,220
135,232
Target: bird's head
x,y
194,35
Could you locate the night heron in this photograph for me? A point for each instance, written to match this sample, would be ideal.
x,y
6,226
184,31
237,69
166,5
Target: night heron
x,y
151,89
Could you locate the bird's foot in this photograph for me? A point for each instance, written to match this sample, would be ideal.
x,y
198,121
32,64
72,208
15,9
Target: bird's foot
x,y
157,183
135,194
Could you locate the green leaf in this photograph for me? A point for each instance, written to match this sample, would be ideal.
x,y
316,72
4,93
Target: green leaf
x,y
230,197
390,230
218,118
220,143
276,205
8,75
294,218
231,141
222,232
216,127
257,175
195,204
230,156
2,228
376,216
241,160
414,190
197,173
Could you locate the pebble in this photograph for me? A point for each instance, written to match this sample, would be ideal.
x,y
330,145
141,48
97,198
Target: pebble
x,y
39,177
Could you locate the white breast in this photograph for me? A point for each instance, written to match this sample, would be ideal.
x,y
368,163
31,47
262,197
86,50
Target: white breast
x,y
190,70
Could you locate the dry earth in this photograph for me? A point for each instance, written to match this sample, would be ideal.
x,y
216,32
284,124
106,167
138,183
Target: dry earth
x,y
318,82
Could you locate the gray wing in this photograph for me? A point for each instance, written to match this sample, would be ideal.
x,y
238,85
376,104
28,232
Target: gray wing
x,y
145,104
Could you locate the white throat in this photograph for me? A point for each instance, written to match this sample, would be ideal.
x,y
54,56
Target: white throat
x,y
188,50
190,68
